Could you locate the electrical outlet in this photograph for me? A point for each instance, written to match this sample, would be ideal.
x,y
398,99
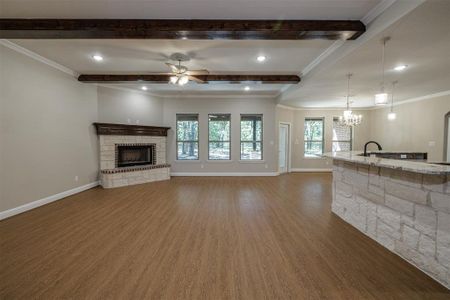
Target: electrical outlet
x,y
431,143
76,178
129,121
266,166
137,121
202,166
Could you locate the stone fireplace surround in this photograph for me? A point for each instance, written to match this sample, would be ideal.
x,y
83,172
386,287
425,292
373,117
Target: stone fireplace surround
x,y
113,135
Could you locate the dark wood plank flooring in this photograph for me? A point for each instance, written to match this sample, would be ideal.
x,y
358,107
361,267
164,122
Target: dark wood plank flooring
x,y
201,238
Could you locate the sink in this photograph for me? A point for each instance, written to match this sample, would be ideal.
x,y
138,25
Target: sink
x,y
398,155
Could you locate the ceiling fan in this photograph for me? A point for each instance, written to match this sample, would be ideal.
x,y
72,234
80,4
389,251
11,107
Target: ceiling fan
x,y
181,74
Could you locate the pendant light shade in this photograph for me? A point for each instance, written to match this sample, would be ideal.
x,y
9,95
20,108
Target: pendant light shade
x,y
392,115
382,97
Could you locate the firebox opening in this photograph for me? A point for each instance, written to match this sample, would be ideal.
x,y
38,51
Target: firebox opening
x,y
135,155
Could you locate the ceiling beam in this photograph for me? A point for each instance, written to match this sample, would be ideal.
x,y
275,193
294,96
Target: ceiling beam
x,y
161,78
178,29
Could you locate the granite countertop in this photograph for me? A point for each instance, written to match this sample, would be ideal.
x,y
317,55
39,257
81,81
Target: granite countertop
x,y
406,165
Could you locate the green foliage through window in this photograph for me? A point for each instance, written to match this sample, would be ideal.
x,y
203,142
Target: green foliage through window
x,y
187,136
314,137
219,128
251,137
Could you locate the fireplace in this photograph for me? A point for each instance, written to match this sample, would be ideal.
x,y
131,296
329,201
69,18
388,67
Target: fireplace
x,y
128,155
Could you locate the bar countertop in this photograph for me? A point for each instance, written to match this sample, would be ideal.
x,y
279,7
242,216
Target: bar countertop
x,y
398,164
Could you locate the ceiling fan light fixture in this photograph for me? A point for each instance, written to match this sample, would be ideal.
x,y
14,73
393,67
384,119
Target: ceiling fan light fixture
x,y
183,80
173,79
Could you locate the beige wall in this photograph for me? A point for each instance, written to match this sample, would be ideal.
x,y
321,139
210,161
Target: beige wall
x,y
419,127
127,106
234,106
46,136
361,134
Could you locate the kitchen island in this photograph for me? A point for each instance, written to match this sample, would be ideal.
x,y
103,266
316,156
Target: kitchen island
x,y
402,204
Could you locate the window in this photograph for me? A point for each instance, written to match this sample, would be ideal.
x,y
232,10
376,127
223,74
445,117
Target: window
x,y
342,137
314,128
219,136
251,137
187,136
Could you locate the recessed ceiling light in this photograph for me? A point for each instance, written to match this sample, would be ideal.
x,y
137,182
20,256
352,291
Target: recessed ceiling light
x,y
184,38
261,58
247,88
400,67
97,57
144,88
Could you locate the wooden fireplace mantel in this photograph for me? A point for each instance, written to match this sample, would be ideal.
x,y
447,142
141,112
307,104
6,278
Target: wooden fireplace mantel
x,y
126,129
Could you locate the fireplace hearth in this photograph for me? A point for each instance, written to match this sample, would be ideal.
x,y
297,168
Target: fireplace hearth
x,y
135,155
132,154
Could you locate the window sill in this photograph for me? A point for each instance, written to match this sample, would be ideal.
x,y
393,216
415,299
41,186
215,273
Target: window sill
x,y
313,158
251,161
220,161
191,161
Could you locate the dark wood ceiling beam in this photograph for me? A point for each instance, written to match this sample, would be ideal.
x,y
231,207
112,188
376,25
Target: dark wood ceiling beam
x,y
177,29
264,79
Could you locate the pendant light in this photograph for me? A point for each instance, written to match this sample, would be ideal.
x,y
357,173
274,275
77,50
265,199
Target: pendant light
x,y
348,118
392,115
382,97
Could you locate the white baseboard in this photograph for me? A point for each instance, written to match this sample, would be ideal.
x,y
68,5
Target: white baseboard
x,y
224,174
304,170
23,208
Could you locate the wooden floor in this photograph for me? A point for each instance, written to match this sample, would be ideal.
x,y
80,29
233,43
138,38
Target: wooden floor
x,y
201,238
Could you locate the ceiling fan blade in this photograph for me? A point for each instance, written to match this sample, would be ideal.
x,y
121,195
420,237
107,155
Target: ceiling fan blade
x,y
173,67
198,72
193,78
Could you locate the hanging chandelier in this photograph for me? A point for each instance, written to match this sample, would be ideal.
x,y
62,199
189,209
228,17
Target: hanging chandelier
x,y
382,97
348,118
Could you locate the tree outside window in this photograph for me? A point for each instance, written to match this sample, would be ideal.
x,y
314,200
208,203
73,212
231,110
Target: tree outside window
x,y
314,137
187,136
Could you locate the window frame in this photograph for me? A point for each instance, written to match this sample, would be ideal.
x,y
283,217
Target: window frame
x,y
342,141
251,141
314,141
187,141
229,136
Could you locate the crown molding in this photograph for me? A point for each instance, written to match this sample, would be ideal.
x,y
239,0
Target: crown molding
x,y
320,108
124,89
406,101
376,11
380,18
38,57
215,96
368,18
415,99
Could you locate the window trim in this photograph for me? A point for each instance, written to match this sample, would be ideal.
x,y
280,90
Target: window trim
x,y
229,136
344,141
252,141
188,141
314,141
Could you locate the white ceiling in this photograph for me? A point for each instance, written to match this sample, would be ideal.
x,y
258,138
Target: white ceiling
x,y
219,57
188,9
420,40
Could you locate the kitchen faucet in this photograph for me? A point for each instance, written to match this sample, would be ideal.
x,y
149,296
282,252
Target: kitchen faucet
x,y
371,142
